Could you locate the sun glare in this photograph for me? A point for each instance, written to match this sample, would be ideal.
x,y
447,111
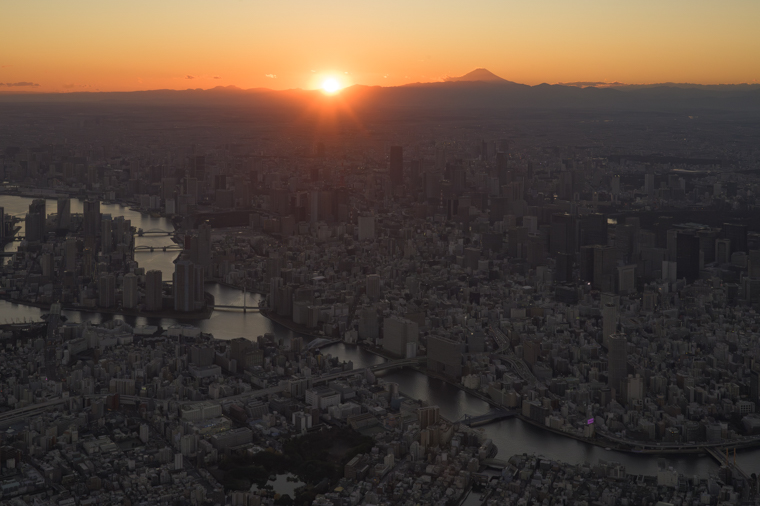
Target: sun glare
x,y
330,85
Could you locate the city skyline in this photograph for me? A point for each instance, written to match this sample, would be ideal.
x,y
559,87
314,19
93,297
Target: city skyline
x,y
85,46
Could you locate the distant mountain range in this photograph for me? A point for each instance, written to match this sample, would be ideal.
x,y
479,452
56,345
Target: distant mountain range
x,y
476,90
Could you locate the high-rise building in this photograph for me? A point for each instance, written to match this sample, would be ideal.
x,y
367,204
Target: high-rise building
x,y
201,246
35,221
153,290
106,236
91,218
687,256
562,236
185,290
617,361
605,261
373,286
592,229
397,165
649,184
737,234
64,213
107,290
369,326
626,283
366,228
445,356
397,334
609,323
2,225
129,292
198,167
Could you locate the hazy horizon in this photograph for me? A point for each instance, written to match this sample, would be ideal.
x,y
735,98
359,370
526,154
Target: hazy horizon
x,y
91,46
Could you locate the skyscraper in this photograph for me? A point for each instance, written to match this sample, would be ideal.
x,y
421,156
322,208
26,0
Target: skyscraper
x,y
35,221
64,213
398,333
198,167
184,286
397,166
373,286
130,295
153,289
106,290
737,234
366,228
617,361
91,218
609,323
687,256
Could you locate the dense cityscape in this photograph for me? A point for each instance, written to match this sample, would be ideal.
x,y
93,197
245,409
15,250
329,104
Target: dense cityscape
x,y
594,277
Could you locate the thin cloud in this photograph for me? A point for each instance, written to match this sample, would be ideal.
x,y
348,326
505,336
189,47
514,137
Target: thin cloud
x,y
21,83
271,76
217,77
189,77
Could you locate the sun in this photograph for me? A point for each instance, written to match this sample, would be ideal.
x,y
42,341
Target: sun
x,y
330,85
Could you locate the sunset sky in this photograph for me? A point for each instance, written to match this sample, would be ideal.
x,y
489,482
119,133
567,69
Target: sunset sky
x,y
78,45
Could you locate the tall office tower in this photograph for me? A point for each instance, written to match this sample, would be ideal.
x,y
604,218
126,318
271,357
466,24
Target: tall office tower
x,y
605,261
562,234
428,416
397,166
184,286
502,172
687,256
35,221
203,245
398,334
168,187
617,361
2,224
106,290
220,182
737,234
609,323
592,229
129,292
33,232
626,281
64,213
91,218
106,236
198,167
369,326
314,206
191,188
445,356
366,228
373,286
649,184
153,290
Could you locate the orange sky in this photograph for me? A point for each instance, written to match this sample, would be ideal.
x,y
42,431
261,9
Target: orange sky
x,y
75,45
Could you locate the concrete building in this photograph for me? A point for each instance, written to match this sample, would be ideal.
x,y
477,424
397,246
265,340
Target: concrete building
x,y
130,293
153,290
398,333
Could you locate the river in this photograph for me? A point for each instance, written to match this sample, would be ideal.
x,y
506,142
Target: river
x,y
511,436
